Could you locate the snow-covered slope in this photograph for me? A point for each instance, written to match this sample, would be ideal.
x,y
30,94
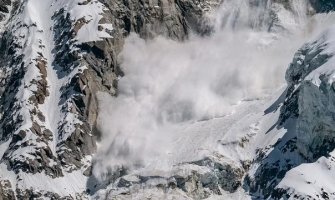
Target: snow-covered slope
x,y
89,110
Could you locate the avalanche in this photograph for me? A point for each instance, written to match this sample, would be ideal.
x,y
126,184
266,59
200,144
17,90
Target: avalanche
x,y
217,97
184,108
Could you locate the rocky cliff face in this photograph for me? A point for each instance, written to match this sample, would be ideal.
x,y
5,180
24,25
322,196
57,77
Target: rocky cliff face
x,y
310,104
309,99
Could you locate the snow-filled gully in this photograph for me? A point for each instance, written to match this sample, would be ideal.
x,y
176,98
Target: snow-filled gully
x,y
43,18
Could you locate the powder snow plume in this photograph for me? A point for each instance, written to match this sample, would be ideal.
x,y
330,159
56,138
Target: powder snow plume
x,y
169,83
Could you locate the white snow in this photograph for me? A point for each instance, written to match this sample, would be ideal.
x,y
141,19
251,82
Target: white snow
x,y
71,184
327,68
311,178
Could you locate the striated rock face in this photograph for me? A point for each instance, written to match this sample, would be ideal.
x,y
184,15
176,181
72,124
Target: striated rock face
x,y
174,19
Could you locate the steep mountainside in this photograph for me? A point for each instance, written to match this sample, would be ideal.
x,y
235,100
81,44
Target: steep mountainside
x,y
57,57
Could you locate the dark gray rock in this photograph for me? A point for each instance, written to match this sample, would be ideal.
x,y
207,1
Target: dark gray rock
x,y
323,5
6,190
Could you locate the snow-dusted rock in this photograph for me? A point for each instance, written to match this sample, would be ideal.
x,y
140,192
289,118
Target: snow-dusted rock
x,y
195,180
306,116
310,96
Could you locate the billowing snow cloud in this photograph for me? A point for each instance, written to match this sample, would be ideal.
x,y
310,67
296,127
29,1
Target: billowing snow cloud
x,y
169,83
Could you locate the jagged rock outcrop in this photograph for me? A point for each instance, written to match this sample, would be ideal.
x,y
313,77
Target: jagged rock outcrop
x,y
5,9
6,190
310,99
195,180
307,115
